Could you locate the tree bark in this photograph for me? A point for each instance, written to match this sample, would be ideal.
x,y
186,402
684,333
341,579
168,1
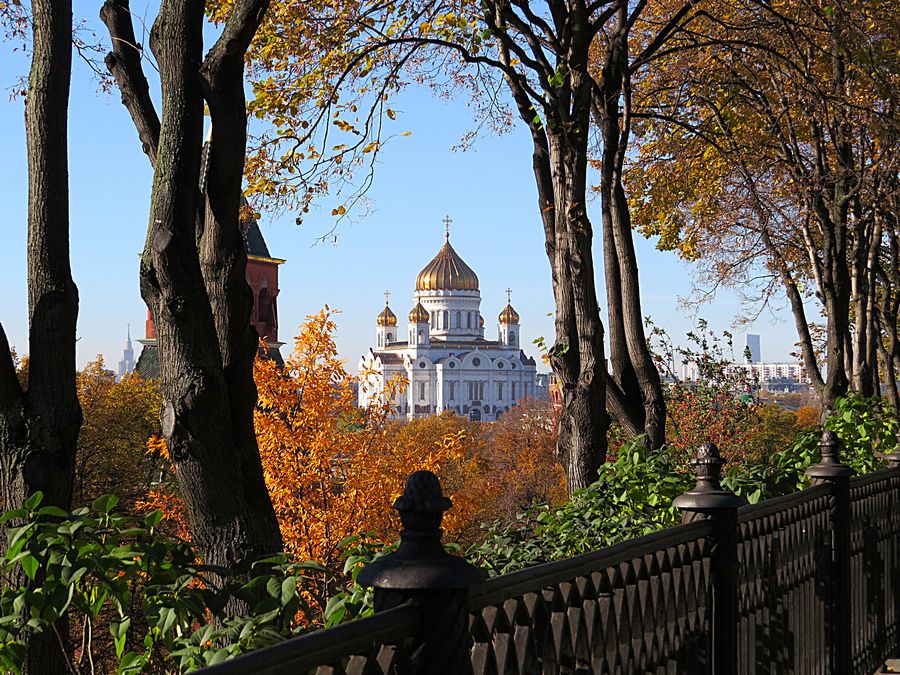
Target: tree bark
x,y
39,426
560,136
578,354
633,367
193,273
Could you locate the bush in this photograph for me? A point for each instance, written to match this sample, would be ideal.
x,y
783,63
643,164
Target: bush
x,y
632,497
96,566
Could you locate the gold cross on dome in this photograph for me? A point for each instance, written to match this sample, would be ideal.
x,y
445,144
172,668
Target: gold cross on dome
x,y
447,220
387,297
508,296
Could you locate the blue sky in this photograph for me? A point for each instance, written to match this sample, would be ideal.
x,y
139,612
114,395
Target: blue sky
x,y
488,192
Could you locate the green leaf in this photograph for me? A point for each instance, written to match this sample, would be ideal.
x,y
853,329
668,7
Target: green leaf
x,y
33,501
52,512
105,504
29,565
288,590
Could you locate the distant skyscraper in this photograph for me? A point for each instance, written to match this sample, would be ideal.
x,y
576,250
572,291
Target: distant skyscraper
x,y
126,365
751,349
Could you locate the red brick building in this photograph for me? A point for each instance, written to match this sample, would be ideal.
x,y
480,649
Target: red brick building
x,y
262,275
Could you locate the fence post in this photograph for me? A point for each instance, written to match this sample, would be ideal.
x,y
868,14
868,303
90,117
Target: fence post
x,y
422,573
708,499
893,458
829,471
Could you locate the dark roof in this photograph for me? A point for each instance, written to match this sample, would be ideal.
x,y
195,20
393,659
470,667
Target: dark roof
x,y
387,357
147,365
254,241
274,353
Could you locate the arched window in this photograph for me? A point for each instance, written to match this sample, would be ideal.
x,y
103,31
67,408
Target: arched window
x,y
433,320
512,338
390,338
421,337
468,319
446,319
380,341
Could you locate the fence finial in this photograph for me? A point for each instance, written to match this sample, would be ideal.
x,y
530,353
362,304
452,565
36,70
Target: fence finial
x,y
709,500
708,493
829,466
423,573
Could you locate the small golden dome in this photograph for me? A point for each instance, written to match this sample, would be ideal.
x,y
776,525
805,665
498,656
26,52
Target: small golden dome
x,y
387,317
509,315
481,321
418,314
447,272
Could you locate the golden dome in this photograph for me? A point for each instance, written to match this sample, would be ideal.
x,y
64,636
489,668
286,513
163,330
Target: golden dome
x,y
387,317
480,321
447,272
509,315
418,314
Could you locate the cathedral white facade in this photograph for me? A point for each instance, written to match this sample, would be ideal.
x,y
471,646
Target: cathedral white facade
x,y
443,355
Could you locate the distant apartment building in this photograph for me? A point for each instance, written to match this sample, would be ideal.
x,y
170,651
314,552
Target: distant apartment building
x,y
769,376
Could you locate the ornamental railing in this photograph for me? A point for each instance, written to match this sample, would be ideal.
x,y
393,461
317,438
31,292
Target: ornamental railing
x,y
807,583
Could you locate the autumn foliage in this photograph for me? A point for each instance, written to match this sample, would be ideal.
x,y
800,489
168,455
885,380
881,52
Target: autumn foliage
x,y
118,418
334,469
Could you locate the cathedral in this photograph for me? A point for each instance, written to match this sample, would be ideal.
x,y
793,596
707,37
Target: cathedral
x,y
444,357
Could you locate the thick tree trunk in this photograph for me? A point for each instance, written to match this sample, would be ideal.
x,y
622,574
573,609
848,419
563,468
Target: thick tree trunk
x,y
200,303
39,427
222,254
560,170
577,356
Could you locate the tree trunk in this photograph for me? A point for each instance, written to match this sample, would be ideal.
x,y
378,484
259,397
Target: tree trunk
x,y
39,426
633,367
193,294
578,354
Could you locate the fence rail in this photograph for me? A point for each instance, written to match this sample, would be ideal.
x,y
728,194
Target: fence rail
x,y
807,583
375,645
874,568
637,606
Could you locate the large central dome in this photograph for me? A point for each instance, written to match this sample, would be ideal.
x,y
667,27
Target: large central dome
x,y
447,272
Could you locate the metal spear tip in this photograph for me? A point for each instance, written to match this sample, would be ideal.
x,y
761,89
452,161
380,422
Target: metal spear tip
x,y
829,466
422,493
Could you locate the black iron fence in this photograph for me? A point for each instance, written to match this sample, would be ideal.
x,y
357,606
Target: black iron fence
x,y
807,583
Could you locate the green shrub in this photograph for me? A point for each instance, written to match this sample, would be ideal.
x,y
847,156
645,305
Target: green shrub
x,y
632,497
95,565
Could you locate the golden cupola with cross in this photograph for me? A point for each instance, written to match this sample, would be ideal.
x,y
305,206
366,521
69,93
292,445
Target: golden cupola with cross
x,y
386,322
508,333
447,290
447,272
